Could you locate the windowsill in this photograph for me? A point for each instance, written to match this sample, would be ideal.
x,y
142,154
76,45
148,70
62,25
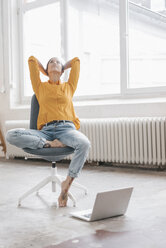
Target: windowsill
x,y
21,106
105,102
120,101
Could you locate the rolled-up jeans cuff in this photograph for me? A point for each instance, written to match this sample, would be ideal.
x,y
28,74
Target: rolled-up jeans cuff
x,y
42,142
72,174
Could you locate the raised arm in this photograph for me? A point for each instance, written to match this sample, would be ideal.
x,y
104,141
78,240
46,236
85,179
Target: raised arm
x,y
74,64
35,67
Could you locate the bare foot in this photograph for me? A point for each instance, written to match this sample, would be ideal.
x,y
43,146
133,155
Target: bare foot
x,y
56,143
64,195
65,185
62,200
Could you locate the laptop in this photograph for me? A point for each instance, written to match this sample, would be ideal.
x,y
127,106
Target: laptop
x,y
107,204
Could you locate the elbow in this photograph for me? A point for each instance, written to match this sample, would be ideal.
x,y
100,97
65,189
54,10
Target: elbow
x,y
32,61
31,58
75,59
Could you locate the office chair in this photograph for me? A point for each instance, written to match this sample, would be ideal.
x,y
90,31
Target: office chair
x,y
50,154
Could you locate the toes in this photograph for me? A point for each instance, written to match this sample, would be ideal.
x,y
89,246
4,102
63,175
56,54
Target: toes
x,y
58,143
62,201
62,204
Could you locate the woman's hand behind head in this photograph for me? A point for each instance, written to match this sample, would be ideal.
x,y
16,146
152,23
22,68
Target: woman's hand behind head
x,y
41,68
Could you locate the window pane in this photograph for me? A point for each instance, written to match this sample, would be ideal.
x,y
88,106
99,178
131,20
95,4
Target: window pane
x,y
42,38
147,37
94,37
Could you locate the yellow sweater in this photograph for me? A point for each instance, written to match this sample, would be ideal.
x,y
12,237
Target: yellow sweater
x,y
55,100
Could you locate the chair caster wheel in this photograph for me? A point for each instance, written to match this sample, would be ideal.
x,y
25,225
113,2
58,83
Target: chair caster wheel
x,y
86,192
19,204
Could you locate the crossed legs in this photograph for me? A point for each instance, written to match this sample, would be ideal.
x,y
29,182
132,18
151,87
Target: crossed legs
x,y
64,136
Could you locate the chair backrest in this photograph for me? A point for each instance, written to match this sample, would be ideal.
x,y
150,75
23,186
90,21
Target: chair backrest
x,y
34,112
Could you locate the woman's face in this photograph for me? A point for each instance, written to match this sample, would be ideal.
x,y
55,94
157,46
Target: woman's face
x,y
54,66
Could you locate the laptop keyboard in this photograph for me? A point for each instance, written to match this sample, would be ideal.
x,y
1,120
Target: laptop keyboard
x,y
87,215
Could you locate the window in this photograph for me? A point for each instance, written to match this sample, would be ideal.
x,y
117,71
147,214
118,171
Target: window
x,y
41,37
94,35
147,38
2,85
120,43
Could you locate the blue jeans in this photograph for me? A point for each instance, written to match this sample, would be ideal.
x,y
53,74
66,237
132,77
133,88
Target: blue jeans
x,y
64,131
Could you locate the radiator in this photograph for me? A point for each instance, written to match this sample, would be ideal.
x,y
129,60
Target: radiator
x,y
140,142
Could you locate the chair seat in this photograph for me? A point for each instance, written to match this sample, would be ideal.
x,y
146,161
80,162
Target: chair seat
x,y
51,154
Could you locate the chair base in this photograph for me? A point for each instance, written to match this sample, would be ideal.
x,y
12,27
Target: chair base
x,y
54,179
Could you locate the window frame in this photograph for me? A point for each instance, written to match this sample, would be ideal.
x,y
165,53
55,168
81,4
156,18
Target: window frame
x,y
146,91
2,83
125,92
22,8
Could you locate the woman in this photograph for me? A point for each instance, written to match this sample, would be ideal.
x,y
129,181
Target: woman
x,y
57,123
